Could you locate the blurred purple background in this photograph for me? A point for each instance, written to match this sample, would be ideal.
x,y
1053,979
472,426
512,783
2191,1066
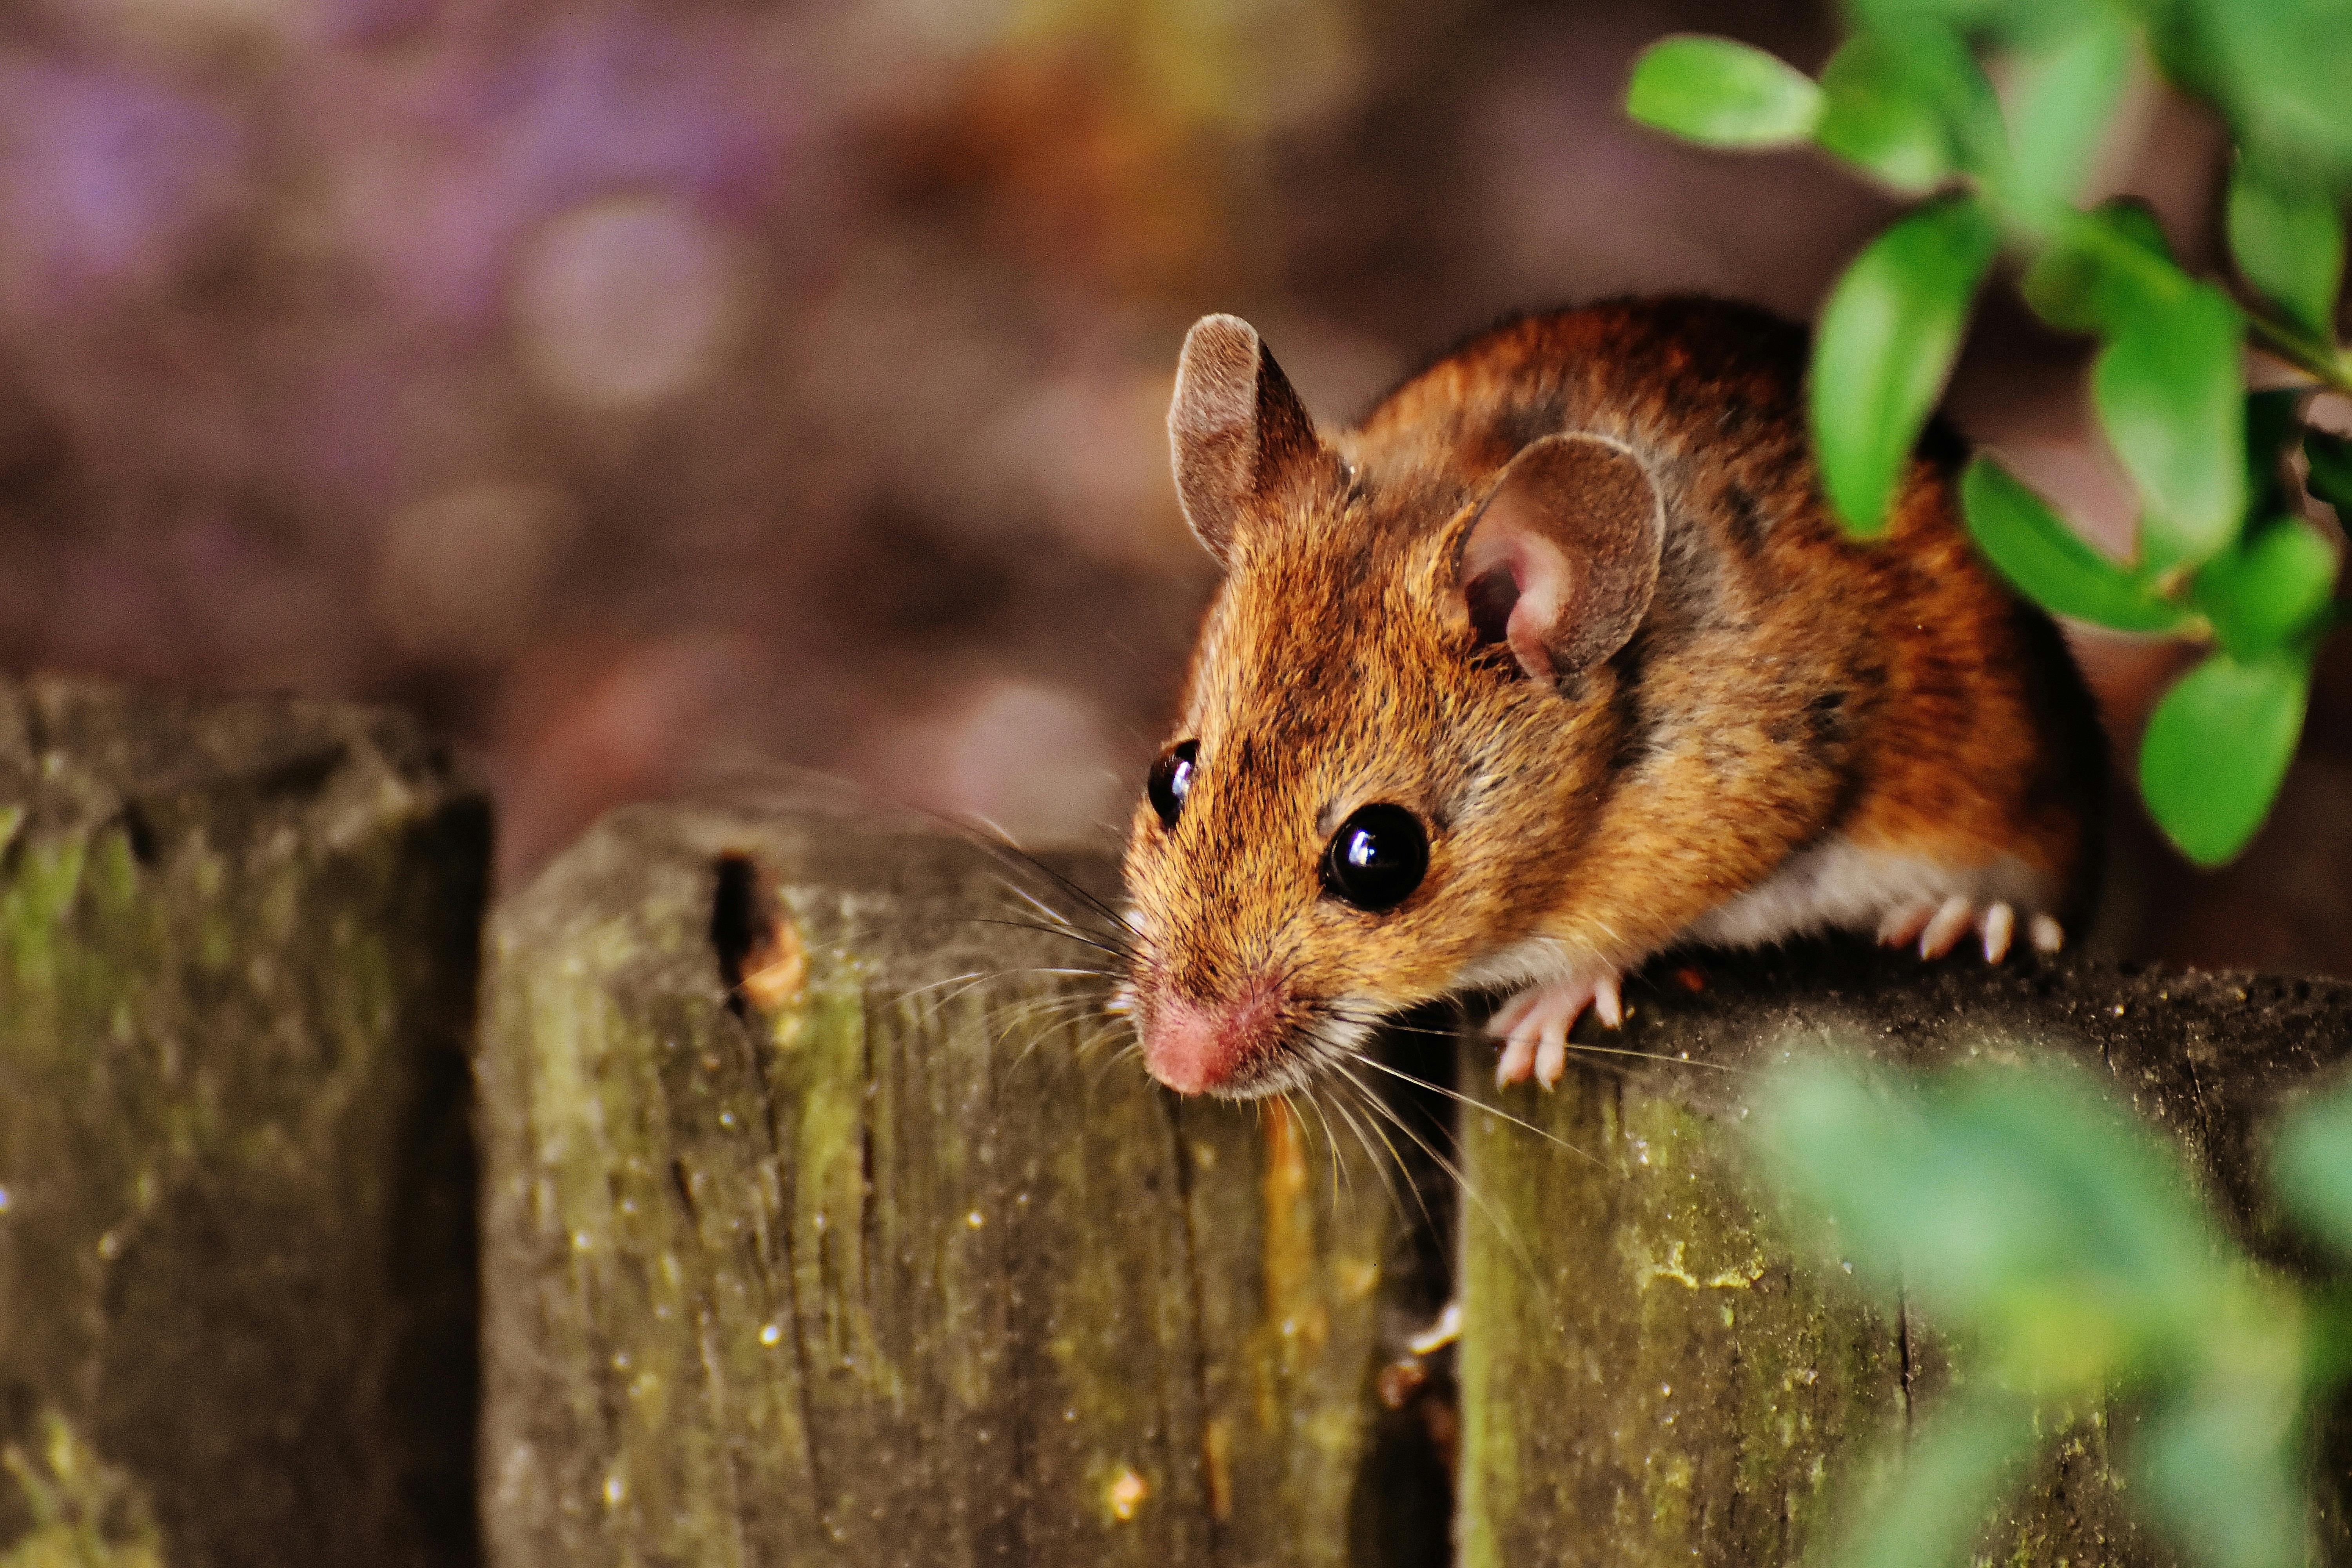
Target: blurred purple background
x,y
633,390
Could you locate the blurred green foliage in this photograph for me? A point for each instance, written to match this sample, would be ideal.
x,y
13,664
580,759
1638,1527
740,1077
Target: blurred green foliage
x,y
2067,1251
85,1512
2224,556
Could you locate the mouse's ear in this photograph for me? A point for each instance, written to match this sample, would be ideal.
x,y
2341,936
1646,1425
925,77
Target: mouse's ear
x,y
1563,559
1237,429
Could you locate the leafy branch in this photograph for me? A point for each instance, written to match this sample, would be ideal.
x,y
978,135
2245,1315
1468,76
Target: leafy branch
x,y
2067,1249
2225,556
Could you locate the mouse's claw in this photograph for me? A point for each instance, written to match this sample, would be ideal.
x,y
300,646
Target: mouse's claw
x,y
2000,924
1937,929
1534,1025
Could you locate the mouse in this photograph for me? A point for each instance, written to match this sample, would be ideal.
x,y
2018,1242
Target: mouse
x,y
1557,660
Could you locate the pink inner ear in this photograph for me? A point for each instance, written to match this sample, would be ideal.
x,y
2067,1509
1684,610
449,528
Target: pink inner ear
x,y
1516,584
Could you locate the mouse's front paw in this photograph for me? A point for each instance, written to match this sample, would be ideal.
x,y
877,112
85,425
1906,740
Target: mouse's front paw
x,y
1937,928
1533,1026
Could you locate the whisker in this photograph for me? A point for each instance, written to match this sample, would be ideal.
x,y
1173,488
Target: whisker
x,y
1657,1057
1454,1171
1064,934
1474,1103
1387,1024
1115,935
1341,1183
1005,848
1382,1167
912,992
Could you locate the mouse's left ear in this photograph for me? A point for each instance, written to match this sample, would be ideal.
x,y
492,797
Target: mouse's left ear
x,y
1236,430
1563,559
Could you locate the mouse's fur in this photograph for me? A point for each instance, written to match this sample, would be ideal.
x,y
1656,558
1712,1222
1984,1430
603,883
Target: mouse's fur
x,y
1801,731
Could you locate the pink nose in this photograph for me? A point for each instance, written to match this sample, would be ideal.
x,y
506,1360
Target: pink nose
x,y
1192,1047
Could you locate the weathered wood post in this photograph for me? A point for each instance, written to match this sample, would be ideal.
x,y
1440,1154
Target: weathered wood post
x,y
239,945
873,1262
1649,1376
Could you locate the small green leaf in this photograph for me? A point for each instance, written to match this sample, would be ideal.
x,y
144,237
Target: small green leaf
x,y
1911,107
1722,94
1888,337
2330,480
2270,589
2217,749
2102,268
2311,1163
2066,92
2049,561
2288,240
2168,391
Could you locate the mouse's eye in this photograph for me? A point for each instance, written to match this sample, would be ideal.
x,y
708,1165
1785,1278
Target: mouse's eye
x,y
1171,780
1377,858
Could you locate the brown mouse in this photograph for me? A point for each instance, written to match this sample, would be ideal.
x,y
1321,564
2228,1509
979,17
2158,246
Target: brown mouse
x,y
1557,660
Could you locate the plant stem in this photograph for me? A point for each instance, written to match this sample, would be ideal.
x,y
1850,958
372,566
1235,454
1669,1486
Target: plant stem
x,y
2322,363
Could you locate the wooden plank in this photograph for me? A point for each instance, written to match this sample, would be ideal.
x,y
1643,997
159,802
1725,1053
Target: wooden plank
x,y
239,945
892,1269
1650,1375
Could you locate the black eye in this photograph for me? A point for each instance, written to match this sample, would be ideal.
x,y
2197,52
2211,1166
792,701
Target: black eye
x,y
1377,858
1171,780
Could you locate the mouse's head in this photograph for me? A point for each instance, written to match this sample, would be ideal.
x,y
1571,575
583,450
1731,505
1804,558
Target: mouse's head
x,y
1396,720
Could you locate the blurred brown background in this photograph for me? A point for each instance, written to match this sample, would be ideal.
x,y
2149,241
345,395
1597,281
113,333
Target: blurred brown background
x,y
633,390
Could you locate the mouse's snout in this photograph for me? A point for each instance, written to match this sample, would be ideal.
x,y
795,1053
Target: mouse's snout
x,y
1214,1047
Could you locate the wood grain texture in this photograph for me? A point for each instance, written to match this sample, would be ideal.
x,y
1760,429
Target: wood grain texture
x,y
238,946
1654,1371
893,1270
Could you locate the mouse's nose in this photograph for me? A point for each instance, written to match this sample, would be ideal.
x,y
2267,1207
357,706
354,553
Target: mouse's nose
x,y
1197,1047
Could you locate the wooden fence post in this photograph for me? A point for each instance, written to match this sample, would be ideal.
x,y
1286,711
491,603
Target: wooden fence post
x,y
238,944
875,1264
1648,1376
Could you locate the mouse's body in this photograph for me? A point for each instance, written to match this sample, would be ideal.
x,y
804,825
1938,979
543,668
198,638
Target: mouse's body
x,y
1559,659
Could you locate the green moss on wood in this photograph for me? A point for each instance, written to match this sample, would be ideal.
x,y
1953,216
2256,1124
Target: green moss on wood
x,y
895,1267
1652,1370
235,1256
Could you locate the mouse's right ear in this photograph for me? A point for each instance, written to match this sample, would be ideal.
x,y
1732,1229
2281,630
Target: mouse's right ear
x,y
1563,559
1236,430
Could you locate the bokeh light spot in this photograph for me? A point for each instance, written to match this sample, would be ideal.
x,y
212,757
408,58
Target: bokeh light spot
x,y
627,301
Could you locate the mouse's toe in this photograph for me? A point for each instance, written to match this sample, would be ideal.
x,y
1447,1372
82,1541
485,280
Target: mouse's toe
x,y
1534,1025
1938,928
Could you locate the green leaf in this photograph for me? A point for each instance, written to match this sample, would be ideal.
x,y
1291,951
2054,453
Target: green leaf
x,y
2049,562
2066,93
2167,389
1888,337
1931,1510
2103,266
2269,590
2217,748
1722,94
2330,477
2222,1465
2288,240
2013,21
2022,1207
1911,107
2277,71
2311,1165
